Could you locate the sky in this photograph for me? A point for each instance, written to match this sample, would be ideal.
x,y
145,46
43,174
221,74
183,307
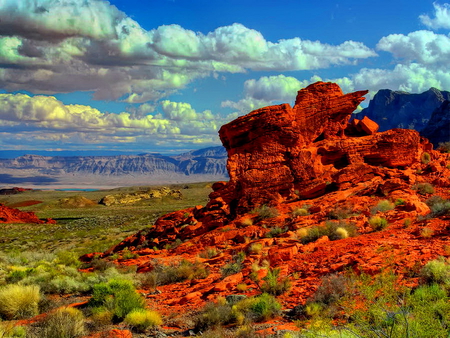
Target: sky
x,y
134,76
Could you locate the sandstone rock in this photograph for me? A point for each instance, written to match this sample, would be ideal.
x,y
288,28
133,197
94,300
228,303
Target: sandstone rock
x,y
12,215
123,199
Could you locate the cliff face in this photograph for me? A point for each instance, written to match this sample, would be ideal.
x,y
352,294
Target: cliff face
x,y
395,109
437,129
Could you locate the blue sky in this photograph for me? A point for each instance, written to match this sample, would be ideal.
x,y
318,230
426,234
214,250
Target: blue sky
x,y
163,76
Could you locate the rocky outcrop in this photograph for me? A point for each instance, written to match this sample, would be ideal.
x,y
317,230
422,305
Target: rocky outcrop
x,y
123,199
279,151
281,154
437,129
12,215
397,109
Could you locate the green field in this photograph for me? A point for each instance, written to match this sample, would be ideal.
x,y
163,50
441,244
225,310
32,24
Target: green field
x,y
89,229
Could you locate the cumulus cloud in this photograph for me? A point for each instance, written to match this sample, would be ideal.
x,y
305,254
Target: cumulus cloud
x,y
423,46
53,46
267,90
441,17
46,118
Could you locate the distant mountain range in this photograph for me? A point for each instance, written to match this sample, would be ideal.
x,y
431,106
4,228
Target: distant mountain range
x,y
209,163
426,112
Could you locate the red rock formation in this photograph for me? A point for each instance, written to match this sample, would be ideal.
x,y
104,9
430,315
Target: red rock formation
x,y
306,157
11,215
277,150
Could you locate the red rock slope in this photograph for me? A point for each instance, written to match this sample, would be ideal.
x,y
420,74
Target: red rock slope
x,y
311,157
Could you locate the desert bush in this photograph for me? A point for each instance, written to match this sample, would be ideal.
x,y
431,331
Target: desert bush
x,y
178,272
262,307
426,232
436,271
300,212
101,316
424,188
119,296
444,147
245,222
340,213
141,319
255,248
234,266
425,158
274,284
242,287
265,212
382,206
438,206
265,307
8,330
214,314
332,288
399,201
378,223
209,252
333,229
64,323
275,232
19,301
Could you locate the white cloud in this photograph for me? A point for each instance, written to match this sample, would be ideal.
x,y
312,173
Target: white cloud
x,y
441,19
44,118
423,46
53,46
267,90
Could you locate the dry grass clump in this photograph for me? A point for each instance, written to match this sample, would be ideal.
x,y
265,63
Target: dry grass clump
x,y
19,301
255,248
141,319
426,232
378,223
245,222
65,323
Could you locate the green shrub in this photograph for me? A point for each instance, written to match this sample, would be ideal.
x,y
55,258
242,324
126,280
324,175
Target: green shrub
x,y
382,206
141,319
438,206
257,308
378,223
300,212
210,252
119,296
424,188
234,266
333,229
255,248
425,158
274,284
213,315
19,301
275,232
436,271
265,212
168,274
64,323
265,307
8,330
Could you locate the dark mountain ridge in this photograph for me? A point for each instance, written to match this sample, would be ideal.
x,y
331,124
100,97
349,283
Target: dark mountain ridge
x,y
398,109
